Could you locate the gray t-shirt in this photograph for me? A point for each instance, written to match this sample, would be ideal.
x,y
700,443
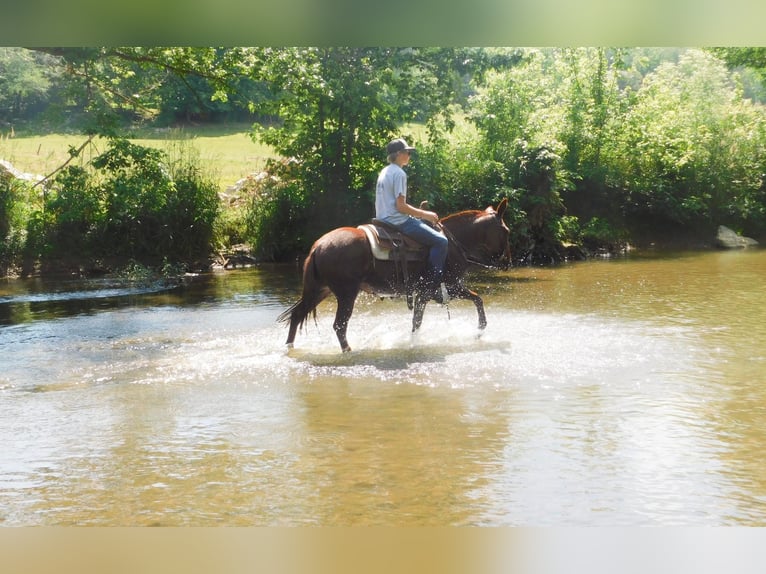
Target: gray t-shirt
x,y
392,182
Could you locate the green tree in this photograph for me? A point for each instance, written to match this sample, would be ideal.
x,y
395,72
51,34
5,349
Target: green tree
x,y
525,120
740,56
691,147
26,82
144,83
336,109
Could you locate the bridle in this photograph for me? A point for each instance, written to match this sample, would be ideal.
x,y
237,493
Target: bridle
x,y
464,252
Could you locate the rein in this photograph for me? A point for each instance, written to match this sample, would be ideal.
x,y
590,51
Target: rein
x,y
463,252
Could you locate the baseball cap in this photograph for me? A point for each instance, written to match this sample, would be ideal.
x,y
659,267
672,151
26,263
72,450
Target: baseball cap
x,y
398,145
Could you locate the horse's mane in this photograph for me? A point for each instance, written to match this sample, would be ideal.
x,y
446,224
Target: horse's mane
x,y
468,214
462,214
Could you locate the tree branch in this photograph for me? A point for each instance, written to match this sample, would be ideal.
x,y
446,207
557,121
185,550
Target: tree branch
x,y
72,155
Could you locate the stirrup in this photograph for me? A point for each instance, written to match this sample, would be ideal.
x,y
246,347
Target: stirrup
x,y
442,294
439,294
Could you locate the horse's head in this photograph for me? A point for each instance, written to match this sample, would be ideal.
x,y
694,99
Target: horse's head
x,y
496,235
483,235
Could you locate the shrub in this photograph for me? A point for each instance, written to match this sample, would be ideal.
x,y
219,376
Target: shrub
x,y
190,214
277,218
131,203
16,200
74,209
600,234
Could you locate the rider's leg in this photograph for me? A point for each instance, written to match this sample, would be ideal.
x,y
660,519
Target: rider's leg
x,y
432,281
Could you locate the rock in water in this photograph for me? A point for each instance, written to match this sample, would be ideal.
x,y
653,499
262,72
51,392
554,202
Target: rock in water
x,y
730,239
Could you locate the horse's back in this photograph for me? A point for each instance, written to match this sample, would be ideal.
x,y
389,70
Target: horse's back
x,y
343,253
342,242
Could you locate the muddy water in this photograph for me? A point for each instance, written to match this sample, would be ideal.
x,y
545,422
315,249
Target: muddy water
x,y
626,392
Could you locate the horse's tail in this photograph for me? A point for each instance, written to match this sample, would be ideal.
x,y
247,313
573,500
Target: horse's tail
x,y
314,292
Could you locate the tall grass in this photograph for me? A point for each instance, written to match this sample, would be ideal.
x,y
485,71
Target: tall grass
x,y
226,151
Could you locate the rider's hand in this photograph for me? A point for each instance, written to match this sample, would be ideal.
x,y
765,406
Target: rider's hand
x,y
431,217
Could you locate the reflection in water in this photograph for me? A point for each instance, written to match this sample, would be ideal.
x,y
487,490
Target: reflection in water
x,y
624,392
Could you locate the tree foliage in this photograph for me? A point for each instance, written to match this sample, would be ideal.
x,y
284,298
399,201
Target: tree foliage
x,y
130,203
681,150
597,146
28,82
690,150
337,108
158,83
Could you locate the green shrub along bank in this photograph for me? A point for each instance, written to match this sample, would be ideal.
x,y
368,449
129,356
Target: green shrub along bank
x,y
130,204
14,197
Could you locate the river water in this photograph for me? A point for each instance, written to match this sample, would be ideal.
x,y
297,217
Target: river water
x,y
605,393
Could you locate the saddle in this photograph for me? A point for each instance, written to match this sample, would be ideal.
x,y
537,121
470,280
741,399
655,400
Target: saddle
x,y
390,244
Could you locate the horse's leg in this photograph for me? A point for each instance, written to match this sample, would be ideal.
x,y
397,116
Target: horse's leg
x,y
346,300
417,314
299,312
294,322
461,292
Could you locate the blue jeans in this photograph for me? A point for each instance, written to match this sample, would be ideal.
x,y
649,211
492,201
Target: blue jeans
x,y
437,242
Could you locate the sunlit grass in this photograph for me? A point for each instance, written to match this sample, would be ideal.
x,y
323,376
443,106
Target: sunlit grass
x,y
226,152
463,129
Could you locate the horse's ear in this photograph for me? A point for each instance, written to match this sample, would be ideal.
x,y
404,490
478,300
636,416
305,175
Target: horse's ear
x,y
501,208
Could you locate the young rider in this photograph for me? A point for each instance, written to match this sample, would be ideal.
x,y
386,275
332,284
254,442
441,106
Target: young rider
x,y
391,206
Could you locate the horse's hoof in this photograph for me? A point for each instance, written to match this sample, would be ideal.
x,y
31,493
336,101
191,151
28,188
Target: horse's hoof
x,y
346,349
289,346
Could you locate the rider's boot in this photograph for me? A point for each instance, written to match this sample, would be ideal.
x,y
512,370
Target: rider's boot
x,y
433,287
439,291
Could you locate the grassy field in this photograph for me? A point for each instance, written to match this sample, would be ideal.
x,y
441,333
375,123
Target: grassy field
x,y
226,152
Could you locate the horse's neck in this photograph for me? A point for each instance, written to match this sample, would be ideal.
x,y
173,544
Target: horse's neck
x,y
460,227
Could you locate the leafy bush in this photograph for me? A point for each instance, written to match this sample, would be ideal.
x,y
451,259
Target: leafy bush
x,y
74,210
14,212
600,234
190,214
136,188
129,204
6,204
277,217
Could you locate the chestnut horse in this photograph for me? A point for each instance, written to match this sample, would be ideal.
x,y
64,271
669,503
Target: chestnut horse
x,y
341,262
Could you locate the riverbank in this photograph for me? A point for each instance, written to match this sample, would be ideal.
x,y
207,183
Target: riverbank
x,y
230,153
241,257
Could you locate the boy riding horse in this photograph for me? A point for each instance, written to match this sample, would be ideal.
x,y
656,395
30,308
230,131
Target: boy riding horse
x,y
392,208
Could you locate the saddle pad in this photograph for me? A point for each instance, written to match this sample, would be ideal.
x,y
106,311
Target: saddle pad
x,y
383,242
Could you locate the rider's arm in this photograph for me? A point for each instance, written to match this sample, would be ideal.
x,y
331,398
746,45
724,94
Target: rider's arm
x,y
404,207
